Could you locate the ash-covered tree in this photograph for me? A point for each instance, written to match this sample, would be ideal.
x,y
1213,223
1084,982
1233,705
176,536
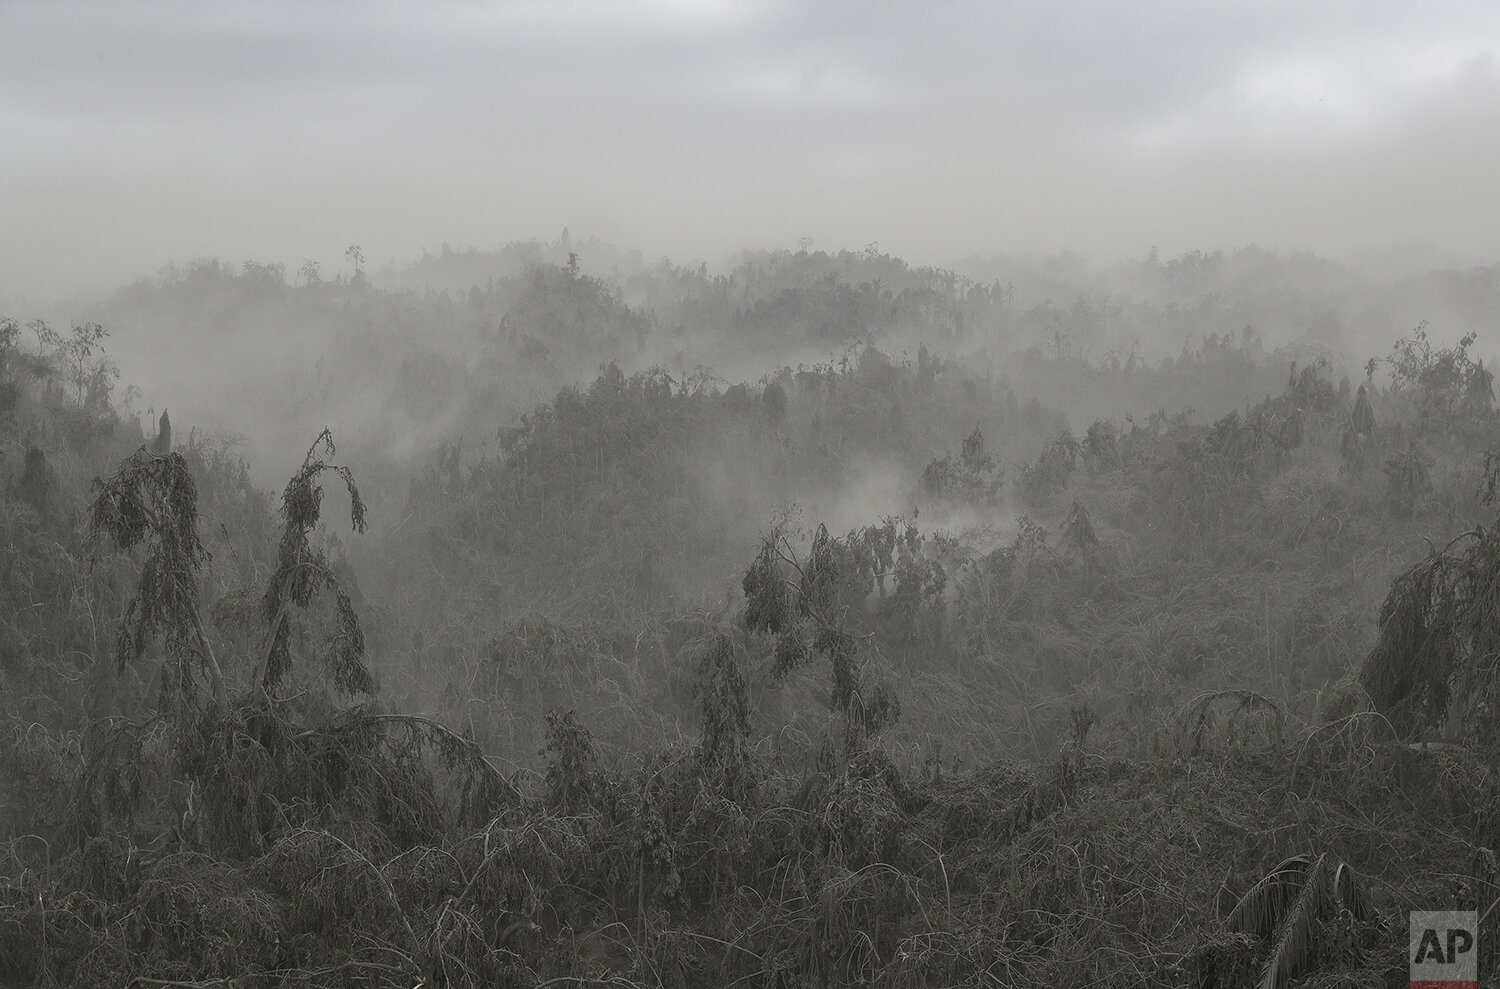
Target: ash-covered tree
x,y
1432,671
1101,445
1038,482
90,376
1362,420
1479,392
1078,534
801,603
38,482
152,502
973,477
724,751
1408,479
303,569
150,505
261,764
1444,384
163,441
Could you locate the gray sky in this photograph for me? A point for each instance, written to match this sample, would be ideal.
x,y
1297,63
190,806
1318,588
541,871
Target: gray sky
x,y
137,133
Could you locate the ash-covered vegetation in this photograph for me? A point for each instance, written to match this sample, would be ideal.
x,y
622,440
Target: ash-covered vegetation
x,y
824,620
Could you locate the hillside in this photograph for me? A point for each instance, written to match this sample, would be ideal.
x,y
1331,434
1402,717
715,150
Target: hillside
x,y
827,621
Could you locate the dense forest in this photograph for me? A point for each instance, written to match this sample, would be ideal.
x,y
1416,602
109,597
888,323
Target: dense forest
x,y
549,616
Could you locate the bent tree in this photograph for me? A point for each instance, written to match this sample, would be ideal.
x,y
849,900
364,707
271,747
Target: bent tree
x,y
150,505
301,569
247,743
1433,670
292,783
152,502
800,604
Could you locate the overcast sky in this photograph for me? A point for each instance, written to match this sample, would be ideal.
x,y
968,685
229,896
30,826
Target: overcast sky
x,y
138,133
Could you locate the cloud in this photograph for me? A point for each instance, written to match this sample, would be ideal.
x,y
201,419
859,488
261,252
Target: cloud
x,y
142,132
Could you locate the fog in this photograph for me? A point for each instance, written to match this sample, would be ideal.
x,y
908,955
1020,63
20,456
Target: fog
x,y
595,297
139,134
723,492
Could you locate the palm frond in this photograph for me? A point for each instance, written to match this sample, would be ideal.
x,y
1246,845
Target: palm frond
x,y
1294,947
1262,907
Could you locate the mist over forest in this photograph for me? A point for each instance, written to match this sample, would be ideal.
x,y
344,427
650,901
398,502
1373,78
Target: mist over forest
x,y
812,537
946,563
427,346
